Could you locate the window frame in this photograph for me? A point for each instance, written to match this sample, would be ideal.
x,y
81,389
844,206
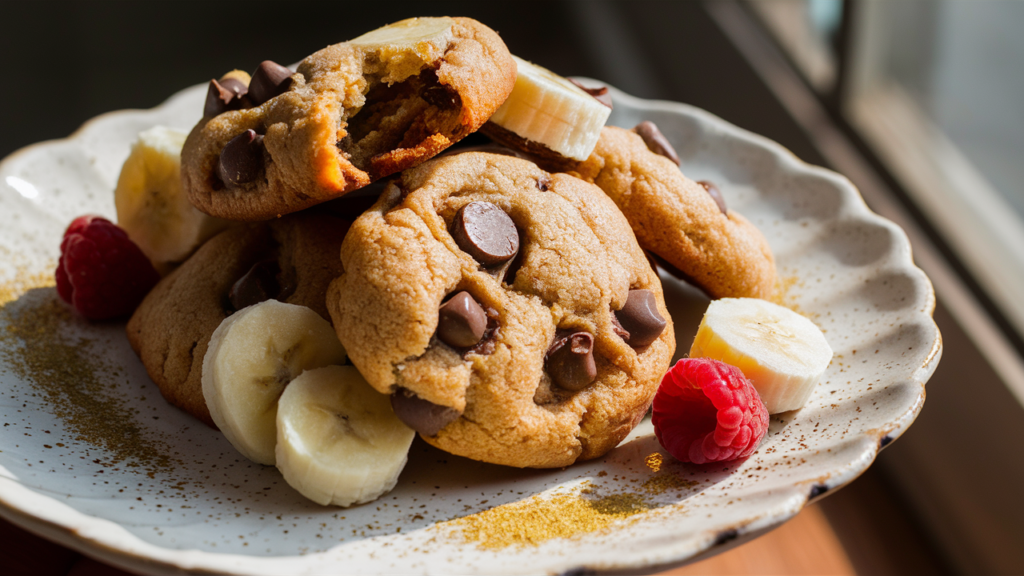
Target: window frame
x,y
979,225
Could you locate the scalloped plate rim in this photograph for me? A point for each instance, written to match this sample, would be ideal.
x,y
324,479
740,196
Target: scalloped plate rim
x,y
90,535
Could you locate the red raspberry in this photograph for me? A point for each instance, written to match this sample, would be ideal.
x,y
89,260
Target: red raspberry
x,y
707,411
101,272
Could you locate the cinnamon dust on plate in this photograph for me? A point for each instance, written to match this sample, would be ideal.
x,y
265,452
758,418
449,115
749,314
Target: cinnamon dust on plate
x,y
571,514
538,519
40,347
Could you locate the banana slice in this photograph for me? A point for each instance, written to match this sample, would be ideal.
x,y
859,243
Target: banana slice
x,y
150,203
782,353
406,45
252,356
550,110
414,32
338,441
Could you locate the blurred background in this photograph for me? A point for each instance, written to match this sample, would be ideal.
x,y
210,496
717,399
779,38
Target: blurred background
x,y
919,103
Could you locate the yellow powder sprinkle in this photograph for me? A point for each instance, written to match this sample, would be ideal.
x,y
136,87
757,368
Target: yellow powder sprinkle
x,y
23,282
75,383
784,297
664,482
538,519
654,461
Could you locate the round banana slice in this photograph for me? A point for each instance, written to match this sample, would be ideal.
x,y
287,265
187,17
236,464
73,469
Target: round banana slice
x,y
548,109
782,353
151,206
338,441
252,356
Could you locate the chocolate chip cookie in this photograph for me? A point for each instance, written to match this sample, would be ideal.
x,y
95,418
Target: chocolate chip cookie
x,y
292,259
508,311
278,141
685,223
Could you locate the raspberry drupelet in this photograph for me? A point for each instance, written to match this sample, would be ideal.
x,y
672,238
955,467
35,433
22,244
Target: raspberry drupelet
x,y
101,272
707,411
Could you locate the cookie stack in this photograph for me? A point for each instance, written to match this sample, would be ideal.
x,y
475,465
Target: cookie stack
x,y
501,302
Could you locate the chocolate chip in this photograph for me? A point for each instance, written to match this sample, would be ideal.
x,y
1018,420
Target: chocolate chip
x,y
656,141
485,232
421,415
440,95
433,92
461,321
641,319
241,160
716,194
570,360
224,95
506,271
217,99
499,271
508,274
600,94
488,342
618,329
256,285
270,79
236,86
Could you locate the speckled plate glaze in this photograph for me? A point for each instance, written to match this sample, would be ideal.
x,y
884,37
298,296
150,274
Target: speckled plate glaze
x,y
634,510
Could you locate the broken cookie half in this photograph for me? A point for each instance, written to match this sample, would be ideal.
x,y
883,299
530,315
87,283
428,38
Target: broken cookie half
x,y
352,113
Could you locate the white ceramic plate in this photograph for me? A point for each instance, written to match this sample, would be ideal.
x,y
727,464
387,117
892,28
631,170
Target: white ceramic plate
x,y
206,509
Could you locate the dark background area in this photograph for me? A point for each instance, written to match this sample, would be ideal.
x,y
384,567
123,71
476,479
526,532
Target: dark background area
x,y
70,61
